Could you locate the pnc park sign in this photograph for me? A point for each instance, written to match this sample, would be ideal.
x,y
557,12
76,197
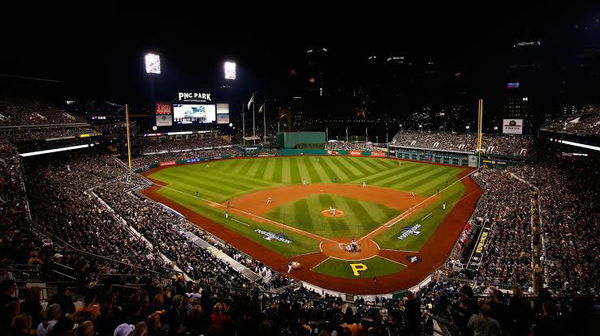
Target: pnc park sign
x,y
194,96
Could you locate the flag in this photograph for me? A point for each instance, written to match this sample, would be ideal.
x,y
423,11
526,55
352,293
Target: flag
x,y
251,101
261,109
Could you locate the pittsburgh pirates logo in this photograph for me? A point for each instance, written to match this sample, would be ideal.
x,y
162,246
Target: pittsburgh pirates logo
x,y
357,268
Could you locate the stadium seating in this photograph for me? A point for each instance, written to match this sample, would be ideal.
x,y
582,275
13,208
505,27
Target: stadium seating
x,y
132,256
466,142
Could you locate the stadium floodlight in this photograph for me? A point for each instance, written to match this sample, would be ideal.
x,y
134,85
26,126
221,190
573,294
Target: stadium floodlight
x,y
152,63
230,70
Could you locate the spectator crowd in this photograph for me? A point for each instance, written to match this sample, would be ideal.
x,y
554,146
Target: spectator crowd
x,y
515,145
25,111
88,215
583,121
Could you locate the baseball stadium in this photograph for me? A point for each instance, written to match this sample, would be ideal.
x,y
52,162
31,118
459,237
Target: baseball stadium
x,y
198,173
307,210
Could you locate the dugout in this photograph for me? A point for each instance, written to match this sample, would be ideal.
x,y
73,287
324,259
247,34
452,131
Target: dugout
x,y
301,140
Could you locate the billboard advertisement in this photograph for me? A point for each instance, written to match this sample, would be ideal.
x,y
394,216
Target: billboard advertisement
x,y
188,113
222,113
355,153
512,126
164,114
164,108
164,120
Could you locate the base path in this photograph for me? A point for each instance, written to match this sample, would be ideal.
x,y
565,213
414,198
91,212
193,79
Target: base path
x,y
432,254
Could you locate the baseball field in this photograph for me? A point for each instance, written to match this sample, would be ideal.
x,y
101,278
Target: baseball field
x,y
404,216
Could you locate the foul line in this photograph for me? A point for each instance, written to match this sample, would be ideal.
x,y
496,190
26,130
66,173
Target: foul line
x,y
410,211
291,228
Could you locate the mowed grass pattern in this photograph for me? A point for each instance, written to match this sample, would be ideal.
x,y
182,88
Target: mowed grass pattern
x,y
360,217
222,180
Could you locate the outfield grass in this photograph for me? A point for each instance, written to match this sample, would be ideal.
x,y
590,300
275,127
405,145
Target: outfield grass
x,y
360,217
222,180
376,267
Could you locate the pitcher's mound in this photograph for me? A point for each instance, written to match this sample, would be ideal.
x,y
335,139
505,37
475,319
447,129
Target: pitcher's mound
x,y
328,213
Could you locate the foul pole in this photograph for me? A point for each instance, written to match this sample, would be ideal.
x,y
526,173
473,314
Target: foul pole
x,y
253,123
128,135
479,130
243,126
265,121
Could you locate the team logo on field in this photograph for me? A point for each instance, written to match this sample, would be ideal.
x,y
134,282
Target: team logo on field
x,y
410,230
413,259
357,268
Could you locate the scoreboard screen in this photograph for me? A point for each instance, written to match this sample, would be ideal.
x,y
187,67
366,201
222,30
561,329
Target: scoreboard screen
x,y
189,113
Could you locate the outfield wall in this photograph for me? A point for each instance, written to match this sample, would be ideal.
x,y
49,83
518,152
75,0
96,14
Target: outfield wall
x,y
281,152
292,139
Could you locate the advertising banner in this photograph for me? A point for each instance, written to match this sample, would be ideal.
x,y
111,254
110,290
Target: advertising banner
x,y
164,108
378,154
164,120
164,114
477,254
512,126
332,152
167,163
355,153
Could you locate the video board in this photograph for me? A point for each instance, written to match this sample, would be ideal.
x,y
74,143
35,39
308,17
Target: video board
x,y
189,113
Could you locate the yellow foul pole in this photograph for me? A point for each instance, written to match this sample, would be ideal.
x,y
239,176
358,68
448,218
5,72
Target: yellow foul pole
x,y
479,129
128,135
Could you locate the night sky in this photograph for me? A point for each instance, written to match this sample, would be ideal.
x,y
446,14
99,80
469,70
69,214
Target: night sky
x,y
96,50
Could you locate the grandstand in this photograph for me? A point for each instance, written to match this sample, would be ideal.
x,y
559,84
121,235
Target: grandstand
x,y
78,220
289,170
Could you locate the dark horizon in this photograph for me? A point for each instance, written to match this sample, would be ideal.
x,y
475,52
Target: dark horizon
x,y
98,52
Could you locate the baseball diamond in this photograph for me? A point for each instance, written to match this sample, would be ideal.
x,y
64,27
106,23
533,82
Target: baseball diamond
x,y
318,207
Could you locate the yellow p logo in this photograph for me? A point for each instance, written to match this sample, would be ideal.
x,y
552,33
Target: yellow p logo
x,y
356,268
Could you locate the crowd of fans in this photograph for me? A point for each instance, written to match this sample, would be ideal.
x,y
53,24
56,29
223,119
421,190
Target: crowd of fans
x,y
583,121
568,197
506,208
568,193
32,112
515,145
12,192
183,144
17,135
474,309
87,214
147,160
162,150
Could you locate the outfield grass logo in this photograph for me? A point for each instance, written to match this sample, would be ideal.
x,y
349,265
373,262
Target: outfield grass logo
x,y
357,268
410,230
270,236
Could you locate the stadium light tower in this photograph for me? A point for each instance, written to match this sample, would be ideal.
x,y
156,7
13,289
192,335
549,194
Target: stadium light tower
x,y
152,61
230,70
